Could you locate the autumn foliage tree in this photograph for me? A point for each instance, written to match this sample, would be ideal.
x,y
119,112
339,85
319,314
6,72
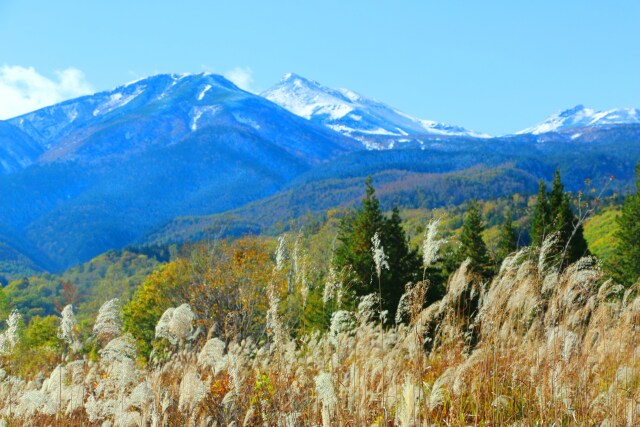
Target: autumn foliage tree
x,y
161,290
224,284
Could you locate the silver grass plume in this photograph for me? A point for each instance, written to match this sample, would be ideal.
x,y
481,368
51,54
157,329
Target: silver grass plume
x,y
162,327
403,308
181,322
212,355
545,251
367,308
176,324
141,396
274,324
67,331
431,244
438,390
290,419
296,255
411,301
341,322
304,282
64,388
281,253
119,349
327,396
409,405
192,391
379,257
108,323
236,375
331,286
32,402
9,337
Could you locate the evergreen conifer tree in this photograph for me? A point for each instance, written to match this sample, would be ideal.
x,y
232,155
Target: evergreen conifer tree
x,y
404,262
553,215
471,244
541,216
570,233
508,240
556,196
627,259
354,250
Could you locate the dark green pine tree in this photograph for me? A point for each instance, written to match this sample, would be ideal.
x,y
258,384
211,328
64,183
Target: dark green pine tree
x,y
471,244
571,244
404,263
541,216
354,236
571,241
556,196
553,215
354,250
626,263
508,240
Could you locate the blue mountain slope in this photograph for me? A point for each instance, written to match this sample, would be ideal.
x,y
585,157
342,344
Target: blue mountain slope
x,y
113,165
102,171
163,110
17,149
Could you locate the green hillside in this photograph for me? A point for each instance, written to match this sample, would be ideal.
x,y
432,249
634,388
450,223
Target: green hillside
x,y
599,232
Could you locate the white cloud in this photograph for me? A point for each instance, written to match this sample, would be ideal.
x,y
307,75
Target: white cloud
x,y
23,89
241,77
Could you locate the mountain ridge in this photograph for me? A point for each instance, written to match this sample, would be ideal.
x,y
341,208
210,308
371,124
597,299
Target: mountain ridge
x,y
373,123
582,117
146,152
102,171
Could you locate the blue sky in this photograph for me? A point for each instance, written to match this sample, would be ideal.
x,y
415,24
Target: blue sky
x,y
492,66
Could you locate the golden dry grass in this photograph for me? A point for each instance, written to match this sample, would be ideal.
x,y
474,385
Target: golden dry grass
x,y
533,347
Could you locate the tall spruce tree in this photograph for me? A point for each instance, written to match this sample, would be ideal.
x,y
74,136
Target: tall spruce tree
x,y
354,250
472,245
553,215
556,196
508,240
570,233
626,263
354,236
541,216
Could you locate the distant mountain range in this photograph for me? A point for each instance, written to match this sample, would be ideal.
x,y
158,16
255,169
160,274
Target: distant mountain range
x,y
582,117
119,167
371,122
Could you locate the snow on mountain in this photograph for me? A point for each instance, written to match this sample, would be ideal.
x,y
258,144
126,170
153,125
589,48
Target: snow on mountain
x,y
166,109
51,125
580,116
353,114
101,171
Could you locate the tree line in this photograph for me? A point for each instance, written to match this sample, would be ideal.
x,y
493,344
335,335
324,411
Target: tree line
x,y
555,224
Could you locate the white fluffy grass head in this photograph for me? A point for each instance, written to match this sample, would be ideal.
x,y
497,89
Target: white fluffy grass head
x,y
379,257
176,324
108,323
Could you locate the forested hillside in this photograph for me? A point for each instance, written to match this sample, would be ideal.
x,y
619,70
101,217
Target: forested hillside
x,y
256,330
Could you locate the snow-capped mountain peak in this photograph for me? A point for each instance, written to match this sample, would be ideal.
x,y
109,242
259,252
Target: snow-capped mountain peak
x,y
580,116
352,114
307,98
